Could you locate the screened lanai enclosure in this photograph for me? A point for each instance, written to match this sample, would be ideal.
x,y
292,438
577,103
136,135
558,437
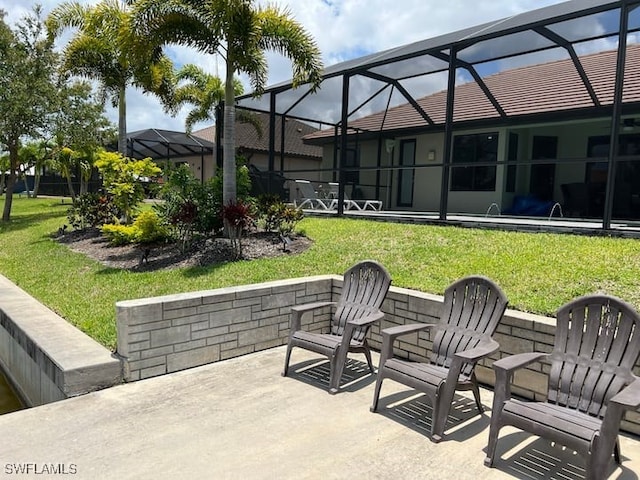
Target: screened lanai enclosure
x,y
167,147
533,116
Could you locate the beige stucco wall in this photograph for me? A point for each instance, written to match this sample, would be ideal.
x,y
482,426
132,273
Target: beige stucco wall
x,y
197,164
572,144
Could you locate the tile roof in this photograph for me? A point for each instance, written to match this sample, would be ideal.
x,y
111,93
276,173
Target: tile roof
x,y
535,89
247,137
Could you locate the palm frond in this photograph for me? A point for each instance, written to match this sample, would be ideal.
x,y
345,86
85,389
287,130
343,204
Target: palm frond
x,y
66,15
282,34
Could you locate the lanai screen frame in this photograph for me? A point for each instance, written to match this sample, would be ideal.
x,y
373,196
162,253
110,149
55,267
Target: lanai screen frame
x,y
446,49
159,144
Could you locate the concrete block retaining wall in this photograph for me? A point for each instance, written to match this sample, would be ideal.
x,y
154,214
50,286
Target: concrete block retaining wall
x,y
45,357
165,334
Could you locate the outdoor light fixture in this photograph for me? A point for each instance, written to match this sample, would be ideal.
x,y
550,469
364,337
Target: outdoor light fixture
x,y
389,144
431,155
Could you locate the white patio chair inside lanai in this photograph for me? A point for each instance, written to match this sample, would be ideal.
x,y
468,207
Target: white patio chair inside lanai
x,y
350,204
309,198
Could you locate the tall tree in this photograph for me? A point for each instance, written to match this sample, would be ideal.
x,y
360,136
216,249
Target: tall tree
x,y
105,48
33,156
241,33
27,89
80,125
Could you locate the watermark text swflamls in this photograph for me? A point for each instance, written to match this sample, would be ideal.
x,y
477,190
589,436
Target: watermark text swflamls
x,y
33,468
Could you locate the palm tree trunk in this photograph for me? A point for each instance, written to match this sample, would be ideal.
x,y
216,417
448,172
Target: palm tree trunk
x,y
229,141
26,183
72,192
36,182
122,121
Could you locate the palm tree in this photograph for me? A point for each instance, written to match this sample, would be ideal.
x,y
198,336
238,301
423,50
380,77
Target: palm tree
x,y
201,90
34,155
204,92
105,48
239,32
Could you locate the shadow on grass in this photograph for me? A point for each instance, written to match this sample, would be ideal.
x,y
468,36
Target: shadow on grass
x,y
201,271
21,222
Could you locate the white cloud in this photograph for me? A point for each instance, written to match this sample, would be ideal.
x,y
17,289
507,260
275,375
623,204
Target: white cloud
x,y
343,30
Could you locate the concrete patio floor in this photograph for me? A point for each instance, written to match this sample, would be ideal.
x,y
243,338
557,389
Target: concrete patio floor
x,y
239,419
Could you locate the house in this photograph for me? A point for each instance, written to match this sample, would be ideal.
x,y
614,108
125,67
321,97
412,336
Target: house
x,y
552,154
293,158
526,115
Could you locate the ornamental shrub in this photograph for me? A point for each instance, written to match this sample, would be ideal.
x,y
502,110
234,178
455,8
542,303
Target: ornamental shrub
x,y
92,210
122,177
120,234
147,228
238,217
277,216
150,228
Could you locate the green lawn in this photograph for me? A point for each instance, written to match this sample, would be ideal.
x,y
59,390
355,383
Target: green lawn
x,y
538,272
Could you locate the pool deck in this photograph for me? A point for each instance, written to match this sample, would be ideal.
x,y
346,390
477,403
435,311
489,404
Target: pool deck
x,y
630,229
240,419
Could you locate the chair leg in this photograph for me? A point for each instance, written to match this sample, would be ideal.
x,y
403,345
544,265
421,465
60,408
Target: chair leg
x,y
338,361
616,451
440,414
494,430
476,394
367,354
376,392
335,369
287,358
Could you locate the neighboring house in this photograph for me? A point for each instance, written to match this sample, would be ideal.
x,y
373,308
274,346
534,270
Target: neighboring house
x,y
297,160
551,153
164,146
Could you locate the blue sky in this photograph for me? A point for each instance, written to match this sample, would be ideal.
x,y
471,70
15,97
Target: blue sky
x,y
343,29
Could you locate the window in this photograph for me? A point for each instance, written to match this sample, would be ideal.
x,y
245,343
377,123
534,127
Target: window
x,y
405,178
482,149
512,157
351,165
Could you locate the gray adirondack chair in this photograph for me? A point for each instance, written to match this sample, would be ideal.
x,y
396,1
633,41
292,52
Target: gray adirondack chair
x,y
473,306
591,383
364,288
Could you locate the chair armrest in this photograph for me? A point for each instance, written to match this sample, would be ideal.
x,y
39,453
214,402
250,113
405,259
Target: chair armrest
x,y
366,320
629,396
359,322
298,310
520,360
504,369
392,333
307,307
484,349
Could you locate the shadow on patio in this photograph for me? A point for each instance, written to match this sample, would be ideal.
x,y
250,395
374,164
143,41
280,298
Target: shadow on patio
x,y
241,419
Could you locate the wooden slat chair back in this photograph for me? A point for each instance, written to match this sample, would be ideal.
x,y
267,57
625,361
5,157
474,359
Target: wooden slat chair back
x,y
472,309
596,346
591,382
364,289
